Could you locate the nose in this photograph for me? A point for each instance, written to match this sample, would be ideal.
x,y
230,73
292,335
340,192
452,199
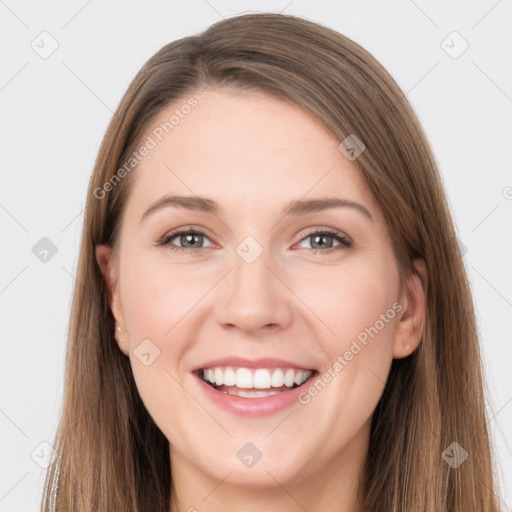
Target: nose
x,y
253,297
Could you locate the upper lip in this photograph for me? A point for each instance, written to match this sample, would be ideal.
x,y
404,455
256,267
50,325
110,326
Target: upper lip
x,y
241,362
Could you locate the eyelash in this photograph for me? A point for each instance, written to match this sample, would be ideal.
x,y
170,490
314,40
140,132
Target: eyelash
x,y
345,242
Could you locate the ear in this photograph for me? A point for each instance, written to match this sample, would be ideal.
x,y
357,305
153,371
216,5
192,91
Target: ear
x,y
412,322
109,270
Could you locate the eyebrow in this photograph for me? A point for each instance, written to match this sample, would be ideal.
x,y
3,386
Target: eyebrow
x,y
294,208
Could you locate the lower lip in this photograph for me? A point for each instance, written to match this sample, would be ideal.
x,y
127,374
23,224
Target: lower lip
x,y
261,406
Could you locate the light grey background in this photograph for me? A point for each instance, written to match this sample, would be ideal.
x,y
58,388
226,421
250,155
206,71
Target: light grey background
x,y
54,112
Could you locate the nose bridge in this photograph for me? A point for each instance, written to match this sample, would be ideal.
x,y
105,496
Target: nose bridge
x,y
252,296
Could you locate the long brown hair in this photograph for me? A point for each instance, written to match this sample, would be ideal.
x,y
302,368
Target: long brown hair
x,y
112,456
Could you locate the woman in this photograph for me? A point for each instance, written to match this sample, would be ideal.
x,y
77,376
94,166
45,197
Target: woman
x,y
315,347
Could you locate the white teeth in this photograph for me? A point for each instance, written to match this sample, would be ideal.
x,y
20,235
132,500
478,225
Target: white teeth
x,y
219,377
244,378
299,378
229,377
260,378
251,393
289,377
277,378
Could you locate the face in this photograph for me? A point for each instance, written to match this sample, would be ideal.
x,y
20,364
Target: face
x,y
262,291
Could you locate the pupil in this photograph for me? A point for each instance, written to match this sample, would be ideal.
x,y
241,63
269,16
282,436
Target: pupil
x,y
317,237
190,237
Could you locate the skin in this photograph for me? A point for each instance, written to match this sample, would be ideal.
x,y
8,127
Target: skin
x,y
291,302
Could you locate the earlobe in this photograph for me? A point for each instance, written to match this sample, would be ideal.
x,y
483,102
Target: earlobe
x,y
412,322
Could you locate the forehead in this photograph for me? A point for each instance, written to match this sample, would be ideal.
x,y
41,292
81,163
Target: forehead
x,y
246,149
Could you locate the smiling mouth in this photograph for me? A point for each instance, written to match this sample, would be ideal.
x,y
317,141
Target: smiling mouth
x,y
254,383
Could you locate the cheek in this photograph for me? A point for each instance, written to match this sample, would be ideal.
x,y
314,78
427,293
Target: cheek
x,y
357,306
162,303
354,304
156,295
158,303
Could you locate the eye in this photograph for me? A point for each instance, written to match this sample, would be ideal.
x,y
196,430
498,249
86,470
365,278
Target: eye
x,y
318,241
189,239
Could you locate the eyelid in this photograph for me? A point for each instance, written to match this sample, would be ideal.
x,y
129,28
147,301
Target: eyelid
x,y
345,242
307,232
186,229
